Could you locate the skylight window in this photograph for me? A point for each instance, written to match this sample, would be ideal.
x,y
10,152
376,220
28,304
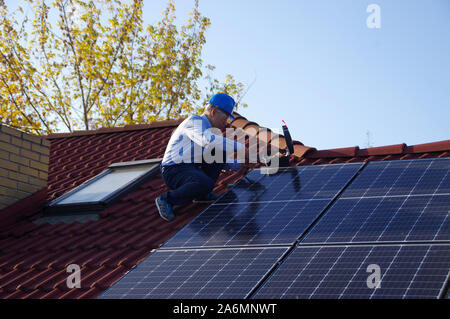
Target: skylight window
x,y
101,190
102,187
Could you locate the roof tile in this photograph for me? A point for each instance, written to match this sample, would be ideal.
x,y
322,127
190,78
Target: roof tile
x,y
429,147
5,294
13,279
30,261
35,294
301,151
56,278
112,241
59,261
114,259
74,293
110,278
89,241
240,122
52,293
33,282
382,150
337,152
17,294
90,293
133,257
98,258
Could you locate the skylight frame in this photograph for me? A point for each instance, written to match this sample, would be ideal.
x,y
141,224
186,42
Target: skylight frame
x,y
54,207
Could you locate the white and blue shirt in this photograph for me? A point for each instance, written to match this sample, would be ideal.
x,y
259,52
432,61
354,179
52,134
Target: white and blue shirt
x,y
194,138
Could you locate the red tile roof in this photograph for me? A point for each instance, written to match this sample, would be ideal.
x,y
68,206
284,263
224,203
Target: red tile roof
x,y
33,258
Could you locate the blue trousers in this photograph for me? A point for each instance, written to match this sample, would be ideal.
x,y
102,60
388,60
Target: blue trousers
x,y
189,181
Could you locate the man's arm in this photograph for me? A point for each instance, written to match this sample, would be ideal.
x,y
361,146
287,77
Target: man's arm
x,y
244,167
194,131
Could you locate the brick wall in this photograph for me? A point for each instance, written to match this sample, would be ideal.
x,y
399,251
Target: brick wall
x,y
23,165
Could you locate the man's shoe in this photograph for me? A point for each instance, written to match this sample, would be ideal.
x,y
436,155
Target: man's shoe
x,y
208,198
165,209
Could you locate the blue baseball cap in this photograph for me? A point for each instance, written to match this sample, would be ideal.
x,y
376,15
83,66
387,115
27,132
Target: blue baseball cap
x,y
224,102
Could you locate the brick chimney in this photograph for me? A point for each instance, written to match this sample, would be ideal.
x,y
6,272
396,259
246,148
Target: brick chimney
x,y
23,165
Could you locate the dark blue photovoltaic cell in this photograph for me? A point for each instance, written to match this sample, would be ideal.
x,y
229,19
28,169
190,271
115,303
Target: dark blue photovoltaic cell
x,y
188,274
408,271
266,209
418,218
406,177
295,183
390,201
252,224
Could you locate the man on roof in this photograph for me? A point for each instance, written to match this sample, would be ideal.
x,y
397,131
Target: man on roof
x,y
186,168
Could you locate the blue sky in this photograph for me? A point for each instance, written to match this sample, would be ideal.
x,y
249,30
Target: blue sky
x,y
331,78
321,69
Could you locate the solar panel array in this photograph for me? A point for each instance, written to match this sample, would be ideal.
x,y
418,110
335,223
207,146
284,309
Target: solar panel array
x,y
390,219
406,271
225,273
400,201
267,209
325,231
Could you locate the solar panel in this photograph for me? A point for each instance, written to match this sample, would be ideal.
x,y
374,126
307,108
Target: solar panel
x,y
253,224
266,209
390,209
375,271
400,178
399,219
205,273
293,183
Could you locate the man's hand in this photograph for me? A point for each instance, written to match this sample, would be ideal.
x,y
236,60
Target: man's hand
x,y
246,165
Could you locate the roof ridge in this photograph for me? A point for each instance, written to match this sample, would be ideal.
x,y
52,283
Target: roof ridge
x,y
300,150
126,128
395,149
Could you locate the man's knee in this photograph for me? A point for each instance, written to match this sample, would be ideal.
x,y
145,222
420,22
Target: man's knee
x,y
204,185
211,184
213,170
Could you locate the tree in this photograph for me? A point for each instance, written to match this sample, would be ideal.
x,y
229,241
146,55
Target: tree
x,y
95,65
